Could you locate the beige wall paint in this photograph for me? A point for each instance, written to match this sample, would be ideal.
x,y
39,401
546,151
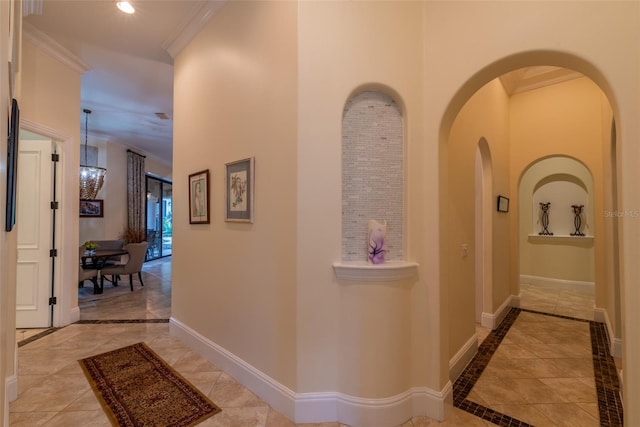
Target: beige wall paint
x,y
113,156
50,98
485,115
549,257
506,36
8,245
236,97
422,52
341,325
563,120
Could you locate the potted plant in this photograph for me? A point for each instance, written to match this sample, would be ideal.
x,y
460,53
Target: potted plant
x,y
90,246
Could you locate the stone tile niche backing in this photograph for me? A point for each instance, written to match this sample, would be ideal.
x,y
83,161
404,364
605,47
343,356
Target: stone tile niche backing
x,y
372,173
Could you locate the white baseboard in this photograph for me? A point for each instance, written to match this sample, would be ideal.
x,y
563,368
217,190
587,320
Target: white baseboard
x,y
556,283
11,388
462,358
322,406
493,320
74,315
11,382
615,344
515,301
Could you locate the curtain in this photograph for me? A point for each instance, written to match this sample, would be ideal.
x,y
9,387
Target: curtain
x,y
136,195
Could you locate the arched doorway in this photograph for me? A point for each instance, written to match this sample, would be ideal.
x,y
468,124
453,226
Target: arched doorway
x,y
483,226
492,112
557,262
522,127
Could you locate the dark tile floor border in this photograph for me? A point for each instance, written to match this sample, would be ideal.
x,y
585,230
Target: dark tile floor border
x,y
88,322
37,336
604,369
104,322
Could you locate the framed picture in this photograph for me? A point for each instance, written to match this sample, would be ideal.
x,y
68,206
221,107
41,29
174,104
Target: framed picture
x,y
503,204
239,190
12,166
199,197
92,208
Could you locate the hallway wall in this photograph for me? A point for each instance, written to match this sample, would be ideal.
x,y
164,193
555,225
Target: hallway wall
x,y
270,79
571,119
485,115
469,43
50,97
8,245
236,97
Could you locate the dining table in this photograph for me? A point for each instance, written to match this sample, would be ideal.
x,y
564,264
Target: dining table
x,y
98,258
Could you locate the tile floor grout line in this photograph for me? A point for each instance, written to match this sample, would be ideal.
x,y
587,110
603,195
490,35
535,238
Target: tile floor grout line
x,y
605,374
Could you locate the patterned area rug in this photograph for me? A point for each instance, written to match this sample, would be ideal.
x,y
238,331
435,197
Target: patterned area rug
x,y
137,388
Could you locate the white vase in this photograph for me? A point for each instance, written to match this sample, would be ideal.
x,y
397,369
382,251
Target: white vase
x,y
376,246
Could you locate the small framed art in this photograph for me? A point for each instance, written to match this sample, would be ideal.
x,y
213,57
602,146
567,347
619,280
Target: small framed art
x,y
91,208
199,197
503,204
239,192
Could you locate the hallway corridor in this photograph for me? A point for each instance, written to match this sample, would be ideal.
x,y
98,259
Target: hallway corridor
x,y
535,369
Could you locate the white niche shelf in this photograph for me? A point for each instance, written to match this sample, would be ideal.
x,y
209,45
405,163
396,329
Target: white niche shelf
x,y
387,272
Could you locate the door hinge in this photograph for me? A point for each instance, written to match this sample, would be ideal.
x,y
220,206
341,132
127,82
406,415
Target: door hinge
x,y
55,157
53,301
53,252
54,205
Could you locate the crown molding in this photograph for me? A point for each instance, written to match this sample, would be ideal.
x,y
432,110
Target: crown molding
x,y
178,41
53,48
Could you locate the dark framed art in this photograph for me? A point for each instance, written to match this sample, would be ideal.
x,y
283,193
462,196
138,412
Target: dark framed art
x,y
199,197
239,191
503,204
12,165
92,208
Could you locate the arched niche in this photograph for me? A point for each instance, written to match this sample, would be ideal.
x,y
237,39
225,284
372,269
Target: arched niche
x,y
562,181
372,173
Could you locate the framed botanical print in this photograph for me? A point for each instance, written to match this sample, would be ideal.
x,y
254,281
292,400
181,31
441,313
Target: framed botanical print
x,y
239,191
199,197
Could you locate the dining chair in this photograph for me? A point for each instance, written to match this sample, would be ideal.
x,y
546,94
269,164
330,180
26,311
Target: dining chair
x,y
137,252
87,274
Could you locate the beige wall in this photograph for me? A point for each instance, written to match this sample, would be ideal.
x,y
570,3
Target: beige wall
x,y
239,93
50,99
551,257
457,71
341,324
236,97
7,240
485,115
563,120
113,156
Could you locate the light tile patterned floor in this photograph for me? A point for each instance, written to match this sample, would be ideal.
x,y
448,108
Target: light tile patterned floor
x,y
54,392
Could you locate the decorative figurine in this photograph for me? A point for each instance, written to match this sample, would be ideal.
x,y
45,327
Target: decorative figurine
x,y
544,209
377,247
577,219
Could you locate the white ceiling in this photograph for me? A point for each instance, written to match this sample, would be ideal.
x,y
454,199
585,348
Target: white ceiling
x,y
131,70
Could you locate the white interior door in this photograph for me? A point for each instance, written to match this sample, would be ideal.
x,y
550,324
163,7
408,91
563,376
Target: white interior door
x,y
33,221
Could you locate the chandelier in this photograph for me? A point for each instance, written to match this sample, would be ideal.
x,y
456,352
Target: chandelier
x,y
91,177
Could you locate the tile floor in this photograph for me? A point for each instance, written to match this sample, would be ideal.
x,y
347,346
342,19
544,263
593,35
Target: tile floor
x,y
53,391
566,300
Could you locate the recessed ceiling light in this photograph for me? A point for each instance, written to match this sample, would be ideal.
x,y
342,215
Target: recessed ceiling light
x,y
125,6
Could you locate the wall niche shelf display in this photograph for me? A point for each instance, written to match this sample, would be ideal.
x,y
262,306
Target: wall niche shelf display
x,y
387,272
561,239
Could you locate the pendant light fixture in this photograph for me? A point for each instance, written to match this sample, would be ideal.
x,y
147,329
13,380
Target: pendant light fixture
x,y
91,177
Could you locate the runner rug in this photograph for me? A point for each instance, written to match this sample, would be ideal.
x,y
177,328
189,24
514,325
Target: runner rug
x,y
137,388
